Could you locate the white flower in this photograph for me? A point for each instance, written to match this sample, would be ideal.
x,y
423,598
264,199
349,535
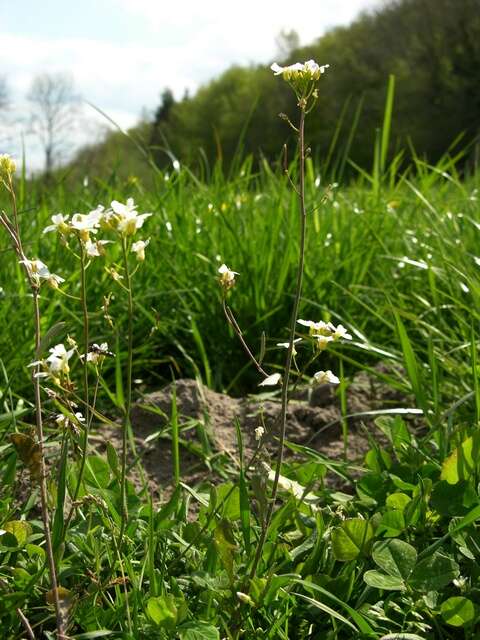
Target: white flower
x,y
320,328
56,364
341,332
259,431
227,276
59,224
139,248
271,381
64,421
87,223
57,361
39,271
322,341
315,70
326,377
125,217
95,249
287,71
285,345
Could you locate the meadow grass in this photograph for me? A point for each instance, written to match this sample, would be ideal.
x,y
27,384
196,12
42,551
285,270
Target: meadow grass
x,y
394,257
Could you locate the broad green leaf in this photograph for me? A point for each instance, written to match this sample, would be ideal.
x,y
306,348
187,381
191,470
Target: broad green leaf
x,y
461,463
19,529
453,499
97,472
112,458
163,611
395,557
225,545
397,501
351,538
434,573
381,581
391,524
458,611
198,631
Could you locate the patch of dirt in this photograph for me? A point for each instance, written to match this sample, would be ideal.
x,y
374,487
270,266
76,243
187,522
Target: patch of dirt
x,y
207,419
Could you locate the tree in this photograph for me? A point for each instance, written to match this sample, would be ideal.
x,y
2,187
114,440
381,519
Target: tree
x,y
161,118
4,94
287,42
54,105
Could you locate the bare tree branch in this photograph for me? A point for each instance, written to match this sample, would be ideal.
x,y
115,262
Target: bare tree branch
x,y
54,106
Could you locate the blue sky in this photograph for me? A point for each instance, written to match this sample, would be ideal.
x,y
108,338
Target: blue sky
x,y
123,53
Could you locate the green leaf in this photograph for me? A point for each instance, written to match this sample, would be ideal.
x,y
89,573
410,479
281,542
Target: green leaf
x,y
359,620
458,611
326,609
453,499
351,538
434,573
97,472
112,458
225,545
395,557
397,501
19,529
413,370
381,581
460,464
49,336
163,611
391,524
198,631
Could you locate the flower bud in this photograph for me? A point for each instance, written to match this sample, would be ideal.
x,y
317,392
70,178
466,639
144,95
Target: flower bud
x,y
7,165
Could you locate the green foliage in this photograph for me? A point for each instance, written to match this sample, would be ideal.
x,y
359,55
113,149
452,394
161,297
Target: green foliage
x,y
427,51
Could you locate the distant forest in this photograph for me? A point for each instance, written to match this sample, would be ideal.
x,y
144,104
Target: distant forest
x,y
432,47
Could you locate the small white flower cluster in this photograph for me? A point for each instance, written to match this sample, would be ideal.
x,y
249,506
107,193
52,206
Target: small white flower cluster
x,y
309,70
227,277
123,219
325,332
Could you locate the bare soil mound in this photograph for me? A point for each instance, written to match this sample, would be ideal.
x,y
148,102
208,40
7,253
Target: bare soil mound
x,y
207,423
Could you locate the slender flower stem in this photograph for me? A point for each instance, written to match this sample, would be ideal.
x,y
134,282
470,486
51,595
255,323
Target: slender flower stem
x,y
26,624
288,364
127,426
14,232
231,319
43,481
86,431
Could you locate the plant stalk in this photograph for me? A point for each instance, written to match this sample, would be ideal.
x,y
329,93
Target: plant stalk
x,y
127,426
86,391
289,359
43,482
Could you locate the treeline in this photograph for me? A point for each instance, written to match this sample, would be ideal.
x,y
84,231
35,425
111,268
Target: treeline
x,y
432,47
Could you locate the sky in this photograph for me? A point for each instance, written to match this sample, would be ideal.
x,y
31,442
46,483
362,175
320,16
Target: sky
x,y
123,53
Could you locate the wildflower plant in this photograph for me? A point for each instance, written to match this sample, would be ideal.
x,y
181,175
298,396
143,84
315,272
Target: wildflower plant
x,y
121,221
37,273
304,80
